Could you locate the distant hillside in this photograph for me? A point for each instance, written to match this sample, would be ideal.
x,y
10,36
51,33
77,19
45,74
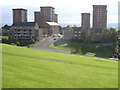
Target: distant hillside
x,y
115,25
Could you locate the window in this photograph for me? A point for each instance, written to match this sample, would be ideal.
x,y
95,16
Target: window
x,y
75,32
75,35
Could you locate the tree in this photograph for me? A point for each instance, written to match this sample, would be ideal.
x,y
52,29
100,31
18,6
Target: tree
x,y
86,36
6,27
109,35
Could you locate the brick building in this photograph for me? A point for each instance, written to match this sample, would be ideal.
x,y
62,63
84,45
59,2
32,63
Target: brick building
x,y
26,31
56,18
72,33
47,14
19,15
85,24
99,17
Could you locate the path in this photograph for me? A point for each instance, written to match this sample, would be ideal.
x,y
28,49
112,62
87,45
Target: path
x,y
43,45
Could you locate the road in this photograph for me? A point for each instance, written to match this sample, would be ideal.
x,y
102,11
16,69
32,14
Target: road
x,y
43,45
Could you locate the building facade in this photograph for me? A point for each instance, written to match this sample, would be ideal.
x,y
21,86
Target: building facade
x,y
67,33
39,18
26,31
44,17
76,33
72,33
53,28
48,12
99,17
56,18
19,15
85,24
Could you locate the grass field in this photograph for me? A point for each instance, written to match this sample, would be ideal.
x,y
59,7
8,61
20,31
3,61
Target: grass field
x,y
29,68
4,37
95,49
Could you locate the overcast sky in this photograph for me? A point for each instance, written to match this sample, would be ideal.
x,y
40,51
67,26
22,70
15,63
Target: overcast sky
x,y
69,11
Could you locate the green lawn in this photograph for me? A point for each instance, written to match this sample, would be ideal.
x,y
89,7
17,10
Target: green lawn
x,y
95,49
4,37
29,68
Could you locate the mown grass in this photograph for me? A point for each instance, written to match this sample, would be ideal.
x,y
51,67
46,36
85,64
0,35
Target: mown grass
x,y
29,68
4,37
94,49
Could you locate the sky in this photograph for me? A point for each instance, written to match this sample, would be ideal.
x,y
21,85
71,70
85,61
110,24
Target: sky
x,y
69,11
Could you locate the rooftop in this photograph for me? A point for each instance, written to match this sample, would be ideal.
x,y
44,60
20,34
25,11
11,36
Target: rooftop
x,y
99,5
19,9
46,7
24,24
52,23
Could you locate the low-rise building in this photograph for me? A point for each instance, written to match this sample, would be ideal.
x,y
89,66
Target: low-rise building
x,y
53,28
77,33
67,33
29,31
72,33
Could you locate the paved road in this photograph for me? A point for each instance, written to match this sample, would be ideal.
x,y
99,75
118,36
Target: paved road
x,y
43,45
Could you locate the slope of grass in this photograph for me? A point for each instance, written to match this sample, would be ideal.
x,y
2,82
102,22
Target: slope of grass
x,y
29,68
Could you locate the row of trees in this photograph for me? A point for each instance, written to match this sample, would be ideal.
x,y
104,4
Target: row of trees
x,y
108,36
105,36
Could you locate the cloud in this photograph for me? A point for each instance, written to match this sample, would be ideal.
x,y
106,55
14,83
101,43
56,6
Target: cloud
x,y
69,11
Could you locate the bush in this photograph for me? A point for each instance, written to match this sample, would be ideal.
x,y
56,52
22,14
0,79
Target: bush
x,y
18,44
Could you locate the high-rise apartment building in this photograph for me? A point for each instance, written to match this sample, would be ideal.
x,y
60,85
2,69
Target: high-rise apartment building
x,y
48,13
39,18
19,15
56,18
47,19
85,24
99,17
